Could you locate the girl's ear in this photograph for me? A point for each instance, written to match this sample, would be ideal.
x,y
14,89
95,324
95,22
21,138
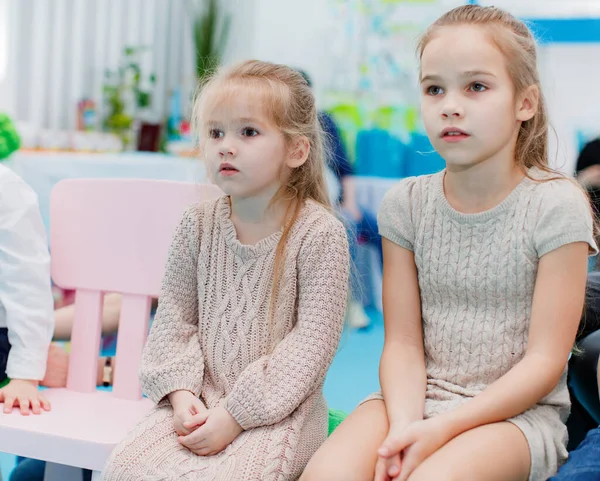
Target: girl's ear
x,y
528,103
298,152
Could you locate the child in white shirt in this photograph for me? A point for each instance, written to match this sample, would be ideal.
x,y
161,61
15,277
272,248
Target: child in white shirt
x,y
26,303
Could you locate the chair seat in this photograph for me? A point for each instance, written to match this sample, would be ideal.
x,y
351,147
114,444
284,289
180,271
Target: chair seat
x,y
82,429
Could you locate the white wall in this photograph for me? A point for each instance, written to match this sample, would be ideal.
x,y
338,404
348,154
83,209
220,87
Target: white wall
x,y
286,31
294,33
571,82
241,43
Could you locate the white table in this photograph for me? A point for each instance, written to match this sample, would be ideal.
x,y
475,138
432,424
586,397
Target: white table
x,y
42,170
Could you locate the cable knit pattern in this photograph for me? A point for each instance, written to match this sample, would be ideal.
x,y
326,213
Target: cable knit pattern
x,y
211,336
476,276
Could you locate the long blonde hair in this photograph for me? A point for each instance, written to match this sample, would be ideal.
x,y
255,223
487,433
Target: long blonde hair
x,y
516,42
291,106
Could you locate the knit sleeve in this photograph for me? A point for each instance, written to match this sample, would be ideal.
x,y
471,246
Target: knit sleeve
x,y
274,386
172,359
395,214
565,217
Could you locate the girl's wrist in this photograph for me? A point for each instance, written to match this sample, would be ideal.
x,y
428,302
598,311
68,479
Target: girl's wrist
x,y
176,396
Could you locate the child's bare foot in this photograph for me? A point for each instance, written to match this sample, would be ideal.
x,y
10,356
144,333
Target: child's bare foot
x,y
57,367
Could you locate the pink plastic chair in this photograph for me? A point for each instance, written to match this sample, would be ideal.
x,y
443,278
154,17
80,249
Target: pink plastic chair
x,y
106,236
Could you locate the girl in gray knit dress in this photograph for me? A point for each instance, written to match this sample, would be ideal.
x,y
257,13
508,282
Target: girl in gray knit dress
x,y
484,278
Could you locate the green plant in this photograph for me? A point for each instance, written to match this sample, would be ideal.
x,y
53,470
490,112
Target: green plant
x,y
9,138
211,31
121,85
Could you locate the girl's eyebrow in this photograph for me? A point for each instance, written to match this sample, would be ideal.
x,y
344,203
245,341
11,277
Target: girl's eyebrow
x,y
241,120
467,74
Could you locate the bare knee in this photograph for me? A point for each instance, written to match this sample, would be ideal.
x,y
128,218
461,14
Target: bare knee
x,y
331,466
325,472
429,471
350,453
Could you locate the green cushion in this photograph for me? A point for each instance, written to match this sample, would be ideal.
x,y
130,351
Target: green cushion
x,y
335,419
4,383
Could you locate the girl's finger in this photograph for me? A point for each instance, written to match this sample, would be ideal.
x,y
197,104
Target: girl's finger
x,y
410,462
9,403
392,466
196,420
35,406
192,439
24,405
46,406
203,449
381,471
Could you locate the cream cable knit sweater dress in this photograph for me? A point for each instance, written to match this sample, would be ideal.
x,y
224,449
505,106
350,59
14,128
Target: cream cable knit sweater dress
x,y
211,337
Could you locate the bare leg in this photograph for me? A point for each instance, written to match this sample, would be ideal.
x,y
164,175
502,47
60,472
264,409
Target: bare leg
x,y
110,318
57,367
350,453
58,358
494,452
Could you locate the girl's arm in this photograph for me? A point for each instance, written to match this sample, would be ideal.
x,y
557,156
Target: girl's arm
x,y
274,386
172,359
402,369
25,291
557,307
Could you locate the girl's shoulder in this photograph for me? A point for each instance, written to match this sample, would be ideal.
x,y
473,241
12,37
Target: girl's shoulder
x,y
559,212
410,193
200,217
316,220
207,211
318,216
549,189
413,188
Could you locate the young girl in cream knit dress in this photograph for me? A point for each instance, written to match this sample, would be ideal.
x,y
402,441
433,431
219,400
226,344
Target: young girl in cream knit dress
x,y
253,299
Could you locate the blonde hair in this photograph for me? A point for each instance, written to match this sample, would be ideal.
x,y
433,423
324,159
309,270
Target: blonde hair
x,y
291,105
516,42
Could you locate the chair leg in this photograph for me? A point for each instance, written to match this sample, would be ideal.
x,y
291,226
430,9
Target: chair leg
x,y
96,476
60,472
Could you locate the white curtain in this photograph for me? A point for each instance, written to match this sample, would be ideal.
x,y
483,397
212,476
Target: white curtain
x,y
59,50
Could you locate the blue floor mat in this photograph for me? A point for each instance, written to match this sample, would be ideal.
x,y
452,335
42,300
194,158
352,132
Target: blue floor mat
x,y
354,373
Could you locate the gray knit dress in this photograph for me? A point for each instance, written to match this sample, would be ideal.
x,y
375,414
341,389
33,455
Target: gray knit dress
x,y
477,275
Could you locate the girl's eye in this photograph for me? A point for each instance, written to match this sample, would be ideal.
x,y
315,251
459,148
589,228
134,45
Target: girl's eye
x,y
215,134
434,90
477,87
249,132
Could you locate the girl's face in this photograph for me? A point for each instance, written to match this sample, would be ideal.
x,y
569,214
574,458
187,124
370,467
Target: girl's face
x,y
469,107
245,150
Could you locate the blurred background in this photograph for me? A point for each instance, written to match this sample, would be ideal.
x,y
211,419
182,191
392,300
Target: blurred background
x,y
103,88
70,69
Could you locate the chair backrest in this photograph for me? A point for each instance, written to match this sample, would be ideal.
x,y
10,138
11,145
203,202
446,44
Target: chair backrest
x,y
109,236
